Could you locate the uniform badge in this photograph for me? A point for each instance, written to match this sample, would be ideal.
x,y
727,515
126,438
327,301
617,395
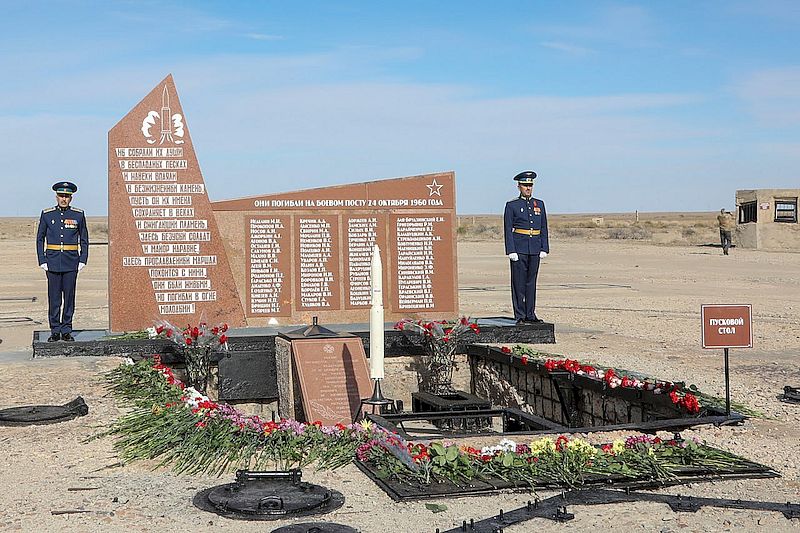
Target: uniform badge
x,y
71,224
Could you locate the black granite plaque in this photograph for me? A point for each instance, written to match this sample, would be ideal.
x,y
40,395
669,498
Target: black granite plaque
x,y
248,375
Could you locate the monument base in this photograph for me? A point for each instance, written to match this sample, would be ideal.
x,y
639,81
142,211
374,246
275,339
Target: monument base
x,y
493,330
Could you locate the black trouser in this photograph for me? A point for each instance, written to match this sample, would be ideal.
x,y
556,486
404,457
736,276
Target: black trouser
x,y
725,239
61,286
523,286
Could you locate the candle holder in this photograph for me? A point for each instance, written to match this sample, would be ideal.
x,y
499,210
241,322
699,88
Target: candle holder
x,y
377,400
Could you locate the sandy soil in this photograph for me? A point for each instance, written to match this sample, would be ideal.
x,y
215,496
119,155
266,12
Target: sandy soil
x,y
633,305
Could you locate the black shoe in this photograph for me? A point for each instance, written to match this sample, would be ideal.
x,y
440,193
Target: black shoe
x,y
520,321
54,337
534,320
67,337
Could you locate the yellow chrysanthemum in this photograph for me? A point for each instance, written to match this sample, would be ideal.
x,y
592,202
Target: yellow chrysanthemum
x,y
543,445
618,446
581,446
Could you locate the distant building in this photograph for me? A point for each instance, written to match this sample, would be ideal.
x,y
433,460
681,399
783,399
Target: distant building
x,y
767,219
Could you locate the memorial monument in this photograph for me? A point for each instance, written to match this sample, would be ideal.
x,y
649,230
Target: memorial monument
x,y
274,257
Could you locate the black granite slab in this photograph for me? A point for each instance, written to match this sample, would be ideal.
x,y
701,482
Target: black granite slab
x,y
398,343
247,375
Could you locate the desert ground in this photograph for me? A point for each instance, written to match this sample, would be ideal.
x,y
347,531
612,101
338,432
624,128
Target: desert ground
x,y
621,292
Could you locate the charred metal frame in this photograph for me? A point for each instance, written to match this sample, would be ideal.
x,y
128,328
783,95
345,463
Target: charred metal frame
x,y
791,394
517,422
555,507
401,491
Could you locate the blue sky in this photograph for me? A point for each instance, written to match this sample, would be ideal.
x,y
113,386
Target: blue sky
x,y
619,106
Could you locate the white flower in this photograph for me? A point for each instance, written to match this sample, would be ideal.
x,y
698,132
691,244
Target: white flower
x,y
193,397
128,361
508,445
151,333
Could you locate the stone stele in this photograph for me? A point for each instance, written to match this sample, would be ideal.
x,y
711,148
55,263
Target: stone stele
x,y
166,258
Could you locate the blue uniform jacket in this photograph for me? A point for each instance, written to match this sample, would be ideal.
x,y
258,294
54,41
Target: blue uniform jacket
x,y
62,226
527,215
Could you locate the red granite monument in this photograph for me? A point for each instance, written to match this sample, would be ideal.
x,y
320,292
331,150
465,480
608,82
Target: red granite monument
x,y
166,257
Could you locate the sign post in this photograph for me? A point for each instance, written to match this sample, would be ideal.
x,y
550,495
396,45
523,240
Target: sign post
x,y
727,326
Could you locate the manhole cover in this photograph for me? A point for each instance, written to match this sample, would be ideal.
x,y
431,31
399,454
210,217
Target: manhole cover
x,y
316,527
43,414
268,496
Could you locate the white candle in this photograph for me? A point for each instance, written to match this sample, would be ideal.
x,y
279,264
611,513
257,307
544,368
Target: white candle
x,y
376,346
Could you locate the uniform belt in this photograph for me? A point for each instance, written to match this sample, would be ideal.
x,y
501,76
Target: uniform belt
x,y
527,231
62,247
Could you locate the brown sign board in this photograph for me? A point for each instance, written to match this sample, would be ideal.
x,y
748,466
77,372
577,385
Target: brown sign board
x,y
727,326
333,377
290,256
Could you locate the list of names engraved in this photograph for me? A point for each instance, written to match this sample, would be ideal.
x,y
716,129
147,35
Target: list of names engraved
x,y
317,264
362,235
268,254
416,265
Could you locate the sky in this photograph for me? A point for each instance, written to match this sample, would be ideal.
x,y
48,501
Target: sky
x,y
618,106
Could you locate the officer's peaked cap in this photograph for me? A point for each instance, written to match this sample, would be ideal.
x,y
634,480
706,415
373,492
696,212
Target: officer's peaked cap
x,y
526,177
65,187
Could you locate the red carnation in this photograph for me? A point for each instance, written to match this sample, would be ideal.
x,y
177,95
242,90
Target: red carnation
x,y
188,341
169,333
524,359
691,403
223,339
505,349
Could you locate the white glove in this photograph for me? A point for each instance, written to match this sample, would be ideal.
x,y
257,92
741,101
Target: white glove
x,y
513,256
80,266
542,254
43,266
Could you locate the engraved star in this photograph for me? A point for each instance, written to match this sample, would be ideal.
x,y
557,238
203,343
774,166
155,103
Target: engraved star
x,y
435,188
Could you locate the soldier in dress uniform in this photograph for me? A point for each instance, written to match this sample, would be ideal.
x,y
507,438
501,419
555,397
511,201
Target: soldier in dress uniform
x,y
62,256
525,225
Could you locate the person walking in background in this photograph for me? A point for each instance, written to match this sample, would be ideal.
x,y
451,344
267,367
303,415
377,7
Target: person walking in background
x,y
525,229
62,257
726,225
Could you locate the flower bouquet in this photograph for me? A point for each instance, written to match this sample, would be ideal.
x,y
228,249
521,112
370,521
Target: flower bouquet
x,y
196,343
440,339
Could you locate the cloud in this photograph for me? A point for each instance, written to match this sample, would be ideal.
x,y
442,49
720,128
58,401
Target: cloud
x,y
568,48
272,123
616,25
264,37
772,96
